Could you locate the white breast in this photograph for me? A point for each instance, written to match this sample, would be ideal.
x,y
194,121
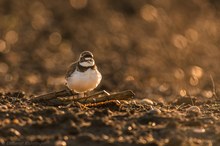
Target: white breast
x,y
84,81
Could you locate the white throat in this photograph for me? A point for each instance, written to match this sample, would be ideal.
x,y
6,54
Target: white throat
x,y
87,63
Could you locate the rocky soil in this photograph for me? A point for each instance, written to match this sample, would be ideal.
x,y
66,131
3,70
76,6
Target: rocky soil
x,y
166,51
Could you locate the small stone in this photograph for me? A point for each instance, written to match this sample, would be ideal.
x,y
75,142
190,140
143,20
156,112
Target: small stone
x,y
3,107
14,132
193,110
199,130
155,111
65,137
124,102
16,122
105,137
147,101
29,121
60,143
6,121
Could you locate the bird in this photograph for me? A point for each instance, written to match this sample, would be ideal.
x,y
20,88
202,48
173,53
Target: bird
x,y
83,75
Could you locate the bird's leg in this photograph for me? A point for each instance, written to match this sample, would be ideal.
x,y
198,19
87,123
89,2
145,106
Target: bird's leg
x,y
80,95
103,92
68,90
86,94
83,96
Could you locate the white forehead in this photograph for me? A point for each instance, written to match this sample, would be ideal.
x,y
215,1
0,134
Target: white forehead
x,y
88,58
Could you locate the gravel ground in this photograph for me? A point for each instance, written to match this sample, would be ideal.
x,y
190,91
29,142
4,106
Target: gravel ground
x,y
165,51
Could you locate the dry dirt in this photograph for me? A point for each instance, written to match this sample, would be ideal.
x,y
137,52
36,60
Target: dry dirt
x,y
166,51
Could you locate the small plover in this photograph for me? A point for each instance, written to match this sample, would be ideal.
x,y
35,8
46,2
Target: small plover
x,y
83,75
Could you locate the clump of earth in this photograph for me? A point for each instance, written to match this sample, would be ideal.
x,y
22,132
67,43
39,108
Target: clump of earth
x,y
185,121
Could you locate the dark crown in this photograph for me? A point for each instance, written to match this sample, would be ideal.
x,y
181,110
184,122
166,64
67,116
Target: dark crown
x,y
86,54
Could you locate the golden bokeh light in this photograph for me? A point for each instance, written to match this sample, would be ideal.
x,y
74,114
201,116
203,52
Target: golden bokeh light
x,y
3,68
192,35
179,73
14,58
78,4
164,87
41,17
11,37
179,41
117,22
211,28
49,63
129,78
65,49
197,71
38,22
153,82
55,80
160,45
193,81
65,46
37,7
55,38
2,46
9,78
207,93
182,92
33,78
149,13
102,41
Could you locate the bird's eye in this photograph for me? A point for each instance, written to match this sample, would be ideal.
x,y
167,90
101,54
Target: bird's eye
x,y
87,55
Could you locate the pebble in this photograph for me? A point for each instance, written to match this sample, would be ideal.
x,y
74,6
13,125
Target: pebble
x,y
193,109
147,101
6,121
199,130
60,143
16,122
3,108
14,132
155,111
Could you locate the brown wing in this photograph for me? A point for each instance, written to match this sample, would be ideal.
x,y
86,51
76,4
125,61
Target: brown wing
x,y
71,69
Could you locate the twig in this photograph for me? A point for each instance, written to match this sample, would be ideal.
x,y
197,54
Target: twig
x,y
53,95
124,95
213,87
57,98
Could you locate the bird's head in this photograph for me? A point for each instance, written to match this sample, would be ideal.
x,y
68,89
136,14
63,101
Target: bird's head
x,y
86,59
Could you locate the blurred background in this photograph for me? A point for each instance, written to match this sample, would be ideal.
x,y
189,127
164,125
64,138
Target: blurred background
x,y
158,48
